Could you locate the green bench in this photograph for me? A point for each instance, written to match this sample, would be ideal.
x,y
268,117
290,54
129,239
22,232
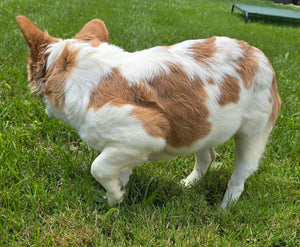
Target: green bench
x,y
266,11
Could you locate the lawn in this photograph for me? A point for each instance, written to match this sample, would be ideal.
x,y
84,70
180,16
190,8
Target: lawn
x,y
47,194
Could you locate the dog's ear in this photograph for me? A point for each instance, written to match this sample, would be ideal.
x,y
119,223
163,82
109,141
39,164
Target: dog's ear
x,y
93,29
34,36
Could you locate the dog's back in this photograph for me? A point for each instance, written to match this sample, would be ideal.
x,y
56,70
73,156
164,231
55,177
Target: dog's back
x,y
194,94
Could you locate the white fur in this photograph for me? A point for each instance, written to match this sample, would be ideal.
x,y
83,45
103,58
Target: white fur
x,y
121,138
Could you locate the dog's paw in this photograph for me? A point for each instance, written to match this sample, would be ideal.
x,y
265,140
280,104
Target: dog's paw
x,y
187,183
115,198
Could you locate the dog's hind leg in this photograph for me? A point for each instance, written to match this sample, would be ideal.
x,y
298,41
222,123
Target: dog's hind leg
x,y
248,151
112,169
203,160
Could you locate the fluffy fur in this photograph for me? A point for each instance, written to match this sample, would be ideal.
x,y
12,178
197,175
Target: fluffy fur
x,y
156,103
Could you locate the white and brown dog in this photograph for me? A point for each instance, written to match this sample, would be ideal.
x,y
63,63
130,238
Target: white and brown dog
x,y
156,103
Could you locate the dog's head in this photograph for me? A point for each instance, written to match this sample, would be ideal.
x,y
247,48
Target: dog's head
x,y
40,75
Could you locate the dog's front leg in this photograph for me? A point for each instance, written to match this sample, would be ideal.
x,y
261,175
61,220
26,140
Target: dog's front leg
x,y
112,169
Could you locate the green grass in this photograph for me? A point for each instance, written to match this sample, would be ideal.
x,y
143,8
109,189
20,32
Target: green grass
x,y
49,198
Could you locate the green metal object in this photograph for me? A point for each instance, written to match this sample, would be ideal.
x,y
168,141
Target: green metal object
x,y
266,11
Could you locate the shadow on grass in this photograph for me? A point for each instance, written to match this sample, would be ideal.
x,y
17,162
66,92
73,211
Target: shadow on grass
x,y
146,190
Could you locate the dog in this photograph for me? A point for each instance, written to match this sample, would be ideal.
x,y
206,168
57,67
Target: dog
x,y
156,103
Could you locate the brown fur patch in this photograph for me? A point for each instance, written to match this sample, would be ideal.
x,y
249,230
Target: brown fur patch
x,y
154,121
204,50
247,67
36,67
230,90
57,75
276,102
170,106
116,91
183,104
